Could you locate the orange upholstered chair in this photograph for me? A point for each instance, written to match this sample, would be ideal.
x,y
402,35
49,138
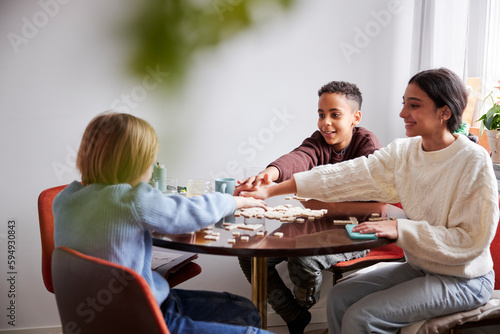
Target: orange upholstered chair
x,y
387,253
46,220
100,297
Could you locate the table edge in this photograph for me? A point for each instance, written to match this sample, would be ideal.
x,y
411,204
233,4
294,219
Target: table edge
x,y
272,252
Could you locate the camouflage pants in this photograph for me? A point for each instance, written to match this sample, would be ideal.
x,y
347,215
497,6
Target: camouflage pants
x,y
305,274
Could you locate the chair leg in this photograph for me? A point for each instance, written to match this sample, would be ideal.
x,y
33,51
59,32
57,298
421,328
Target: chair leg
x,y
336,277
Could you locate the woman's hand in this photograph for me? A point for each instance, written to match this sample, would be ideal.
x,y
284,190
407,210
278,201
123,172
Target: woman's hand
x,y
384,228
249,202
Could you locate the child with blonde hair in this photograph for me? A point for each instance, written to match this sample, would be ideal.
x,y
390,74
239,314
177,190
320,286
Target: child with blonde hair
x,y
111,214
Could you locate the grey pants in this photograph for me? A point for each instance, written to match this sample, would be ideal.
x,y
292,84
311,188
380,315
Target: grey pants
x,y
389,298
305,274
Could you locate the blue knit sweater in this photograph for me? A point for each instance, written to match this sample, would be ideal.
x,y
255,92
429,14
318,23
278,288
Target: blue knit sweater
x,y
114,222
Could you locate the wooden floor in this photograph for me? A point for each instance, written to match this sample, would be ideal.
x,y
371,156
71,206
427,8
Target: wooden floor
x,y
311,329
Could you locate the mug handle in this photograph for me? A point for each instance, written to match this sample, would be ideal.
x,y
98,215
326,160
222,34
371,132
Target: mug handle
x,y
223,188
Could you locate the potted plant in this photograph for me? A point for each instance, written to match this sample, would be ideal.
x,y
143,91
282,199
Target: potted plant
x,y
491,122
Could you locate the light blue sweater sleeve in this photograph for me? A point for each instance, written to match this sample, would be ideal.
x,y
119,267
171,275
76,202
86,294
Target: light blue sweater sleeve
x,y
179,214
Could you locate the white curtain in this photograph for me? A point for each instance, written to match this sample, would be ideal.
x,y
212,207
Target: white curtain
x,y
440,35
491,64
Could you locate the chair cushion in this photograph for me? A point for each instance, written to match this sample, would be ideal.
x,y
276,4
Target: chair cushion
x,y
490,310
366,270
495,254
387,252
188,271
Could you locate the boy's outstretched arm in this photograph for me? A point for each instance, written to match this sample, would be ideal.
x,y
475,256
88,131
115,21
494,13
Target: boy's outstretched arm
x,y
283,188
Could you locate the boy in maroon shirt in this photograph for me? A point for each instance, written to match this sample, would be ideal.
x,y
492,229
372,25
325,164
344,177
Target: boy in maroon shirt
x,y
337,139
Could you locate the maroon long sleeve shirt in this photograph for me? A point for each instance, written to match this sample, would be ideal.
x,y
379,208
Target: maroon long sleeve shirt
x,y
314,151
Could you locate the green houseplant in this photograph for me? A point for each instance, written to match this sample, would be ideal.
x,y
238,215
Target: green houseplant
x,y
491,122
491,119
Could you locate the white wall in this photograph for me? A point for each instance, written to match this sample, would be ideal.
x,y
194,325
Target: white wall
x,y
74,66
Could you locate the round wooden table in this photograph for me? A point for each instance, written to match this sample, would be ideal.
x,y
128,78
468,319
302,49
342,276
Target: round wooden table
x,y
320,236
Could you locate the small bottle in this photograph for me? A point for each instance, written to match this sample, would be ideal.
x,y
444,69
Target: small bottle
x,y
160,174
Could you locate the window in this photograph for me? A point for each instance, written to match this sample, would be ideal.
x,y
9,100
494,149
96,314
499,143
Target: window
x,y
483,56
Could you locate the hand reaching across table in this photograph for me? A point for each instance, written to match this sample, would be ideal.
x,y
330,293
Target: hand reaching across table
x,y
266,177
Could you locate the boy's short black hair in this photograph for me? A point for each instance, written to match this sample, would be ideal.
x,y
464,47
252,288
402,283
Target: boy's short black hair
x,y
349,90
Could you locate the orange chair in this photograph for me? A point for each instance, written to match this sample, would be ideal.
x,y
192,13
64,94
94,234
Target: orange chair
x,y
46,220
100,297
388,253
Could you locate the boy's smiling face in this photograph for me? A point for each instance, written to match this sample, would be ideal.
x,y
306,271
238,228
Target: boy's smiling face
x,y
336,119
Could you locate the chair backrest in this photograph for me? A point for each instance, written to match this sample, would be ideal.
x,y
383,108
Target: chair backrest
x,y
483,140
495,244
97,296
46,220
495,254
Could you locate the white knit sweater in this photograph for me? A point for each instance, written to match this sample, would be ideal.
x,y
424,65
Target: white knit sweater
x,y
450,197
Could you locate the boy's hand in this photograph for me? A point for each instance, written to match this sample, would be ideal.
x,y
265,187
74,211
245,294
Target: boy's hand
x,y
264,178
252,183
249,202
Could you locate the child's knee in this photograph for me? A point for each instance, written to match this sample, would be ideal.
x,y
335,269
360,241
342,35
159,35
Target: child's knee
x,y
303,273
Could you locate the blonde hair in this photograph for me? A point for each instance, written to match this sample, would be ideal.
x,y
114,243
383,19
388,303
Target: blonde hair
x,y
116,148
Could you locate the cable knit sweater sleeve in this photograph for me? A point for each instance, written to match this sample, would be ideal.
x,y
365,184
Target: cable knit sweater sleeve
x,y
450,197
361,179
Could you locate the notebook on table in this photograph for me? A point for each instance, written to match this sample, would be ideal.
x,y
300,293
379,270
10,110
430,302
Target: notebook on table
x,y
167,262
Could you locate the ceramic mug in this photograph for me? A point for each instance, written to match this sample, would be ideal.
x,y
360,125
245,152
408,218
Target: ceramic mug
x,y
225,185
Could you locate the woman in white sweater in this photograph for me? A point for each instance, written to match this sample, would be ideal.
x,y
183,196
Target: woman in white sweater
x,y
447,188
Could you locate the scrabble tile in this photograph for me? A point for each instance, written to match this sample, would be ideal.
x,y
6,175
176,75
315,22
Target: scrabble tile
x,y
252,227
